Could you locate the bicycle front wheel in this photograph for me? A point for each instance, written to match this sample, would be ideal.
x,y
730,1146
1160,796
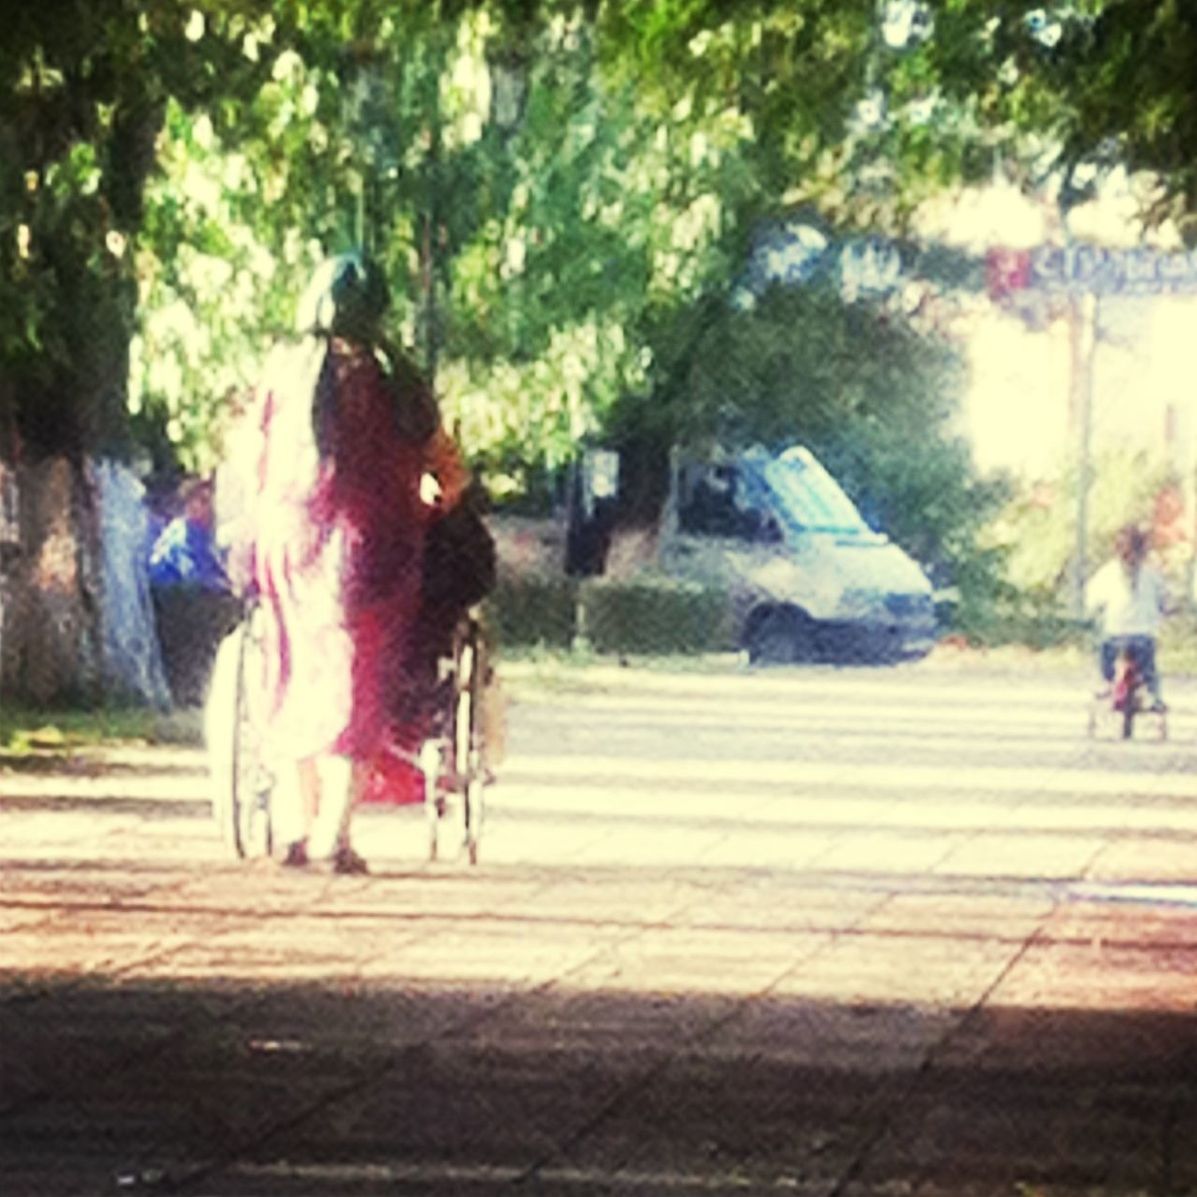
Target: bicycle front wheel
x,y
249,785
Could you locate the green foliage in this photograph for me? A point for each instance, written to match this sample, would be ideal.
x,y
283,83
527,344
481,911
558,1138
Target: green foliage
x,y
1037,529
528,211
1070,90
82,92
656,618
869,391
60,732
547,189
867,108
1021,620
1031,543
219,278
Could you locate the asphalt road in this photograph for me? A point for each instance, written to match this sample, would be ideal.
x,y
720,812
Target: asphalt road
x,y
902,931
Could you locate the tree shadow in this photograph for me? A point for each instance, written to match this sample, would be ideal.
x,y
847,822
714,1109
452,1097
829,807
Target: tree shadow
x,y
396,1084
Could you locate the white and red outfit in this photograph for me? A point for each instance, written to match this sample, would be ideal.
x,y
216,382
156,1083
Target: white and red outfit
x,y
332,538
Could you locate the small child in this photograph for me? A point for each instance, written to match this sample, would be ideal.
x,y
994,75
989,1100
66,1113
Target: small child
x,y
193,601
185,552
1129,597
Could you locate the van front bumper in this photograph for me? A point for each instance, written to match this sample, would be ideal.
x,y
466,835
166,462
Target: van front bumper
x,y
875,640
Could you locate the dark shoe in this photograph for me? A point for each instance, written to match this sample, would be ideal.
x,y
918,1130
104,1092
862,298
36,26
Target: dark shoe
x,y
1159,707
296,856
348,863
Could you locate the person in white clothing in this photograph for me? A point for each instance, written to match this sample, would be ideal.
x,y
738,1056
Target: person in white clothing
x,y
1129,597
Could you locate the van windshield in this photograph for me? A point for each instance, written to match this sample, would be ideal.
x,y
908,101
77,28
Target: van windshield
x,y
811,497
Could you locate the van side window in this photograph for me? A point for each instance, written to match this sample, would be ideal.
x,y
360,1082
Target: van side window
x,y
712,509
714,506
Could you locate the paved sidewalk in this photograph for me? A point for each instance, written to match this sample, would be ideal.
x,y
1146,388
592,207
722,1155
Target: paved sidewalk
x,y
827,933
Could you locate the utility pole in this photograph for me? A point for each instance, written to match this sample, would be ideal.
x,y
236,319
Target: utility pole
x,y
1082,341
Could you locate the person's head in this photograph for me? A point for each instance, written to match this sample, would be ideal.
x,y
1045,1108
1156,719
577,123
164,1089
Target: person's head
x,y
347,296
1130,545
196,496
721,480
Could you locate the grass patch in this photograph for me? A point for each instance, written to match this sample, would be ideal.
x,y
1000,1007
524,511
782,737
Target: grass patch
x,y
26,729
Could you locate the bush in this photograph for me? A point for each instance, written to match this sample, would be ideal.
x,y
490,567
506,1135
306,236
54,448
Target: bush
x,y
533,610
656,617
1026,624
650,616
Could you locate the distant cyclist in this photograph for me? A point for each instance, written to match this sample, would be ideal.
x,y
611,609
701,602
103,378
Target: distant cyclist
x,y
1128,596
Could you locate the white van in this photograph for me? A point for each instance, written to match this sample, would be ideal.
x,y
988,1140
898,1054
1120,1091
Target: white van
x,y
806,576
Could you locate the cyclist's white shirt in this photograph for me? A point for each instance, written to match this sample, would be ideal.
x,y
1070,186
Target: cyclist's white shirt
x,y
1126,609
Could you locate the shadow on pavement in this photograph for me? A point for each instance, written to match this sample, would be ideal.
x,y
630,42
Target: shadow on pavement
x,y
357,1086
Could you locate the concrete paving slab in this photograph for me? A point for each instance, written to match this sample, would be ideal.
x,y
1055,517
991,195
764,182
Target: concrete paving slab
x,y
1030,854
1131,858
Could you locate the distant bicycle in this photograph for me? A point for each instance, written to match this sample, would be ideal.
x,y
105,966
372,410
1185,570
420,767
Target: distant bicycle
x,y
1128,700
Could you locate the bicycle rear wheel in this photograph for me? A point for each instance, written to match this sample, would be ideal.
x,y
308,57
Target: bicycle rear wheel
x,y
467,739
1128,721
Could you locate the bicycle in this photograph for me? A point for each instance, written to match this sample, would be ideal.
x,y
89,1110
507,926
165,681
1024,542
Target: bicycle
x,y
1125,701
451,756
453,759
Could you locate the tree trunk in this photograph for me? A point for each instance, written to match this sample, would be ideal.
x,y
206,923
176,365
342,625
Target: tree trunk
x,y
49,585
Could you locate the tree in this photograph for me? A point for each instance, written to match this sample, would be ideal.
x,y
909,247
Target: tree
x,y
561,194
83,89
870,392
82,92
528,214
1099,85
860,107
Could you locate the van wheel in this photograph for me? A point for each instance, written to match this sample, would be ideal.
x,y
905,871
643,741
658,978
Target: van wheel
x,y
780,638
